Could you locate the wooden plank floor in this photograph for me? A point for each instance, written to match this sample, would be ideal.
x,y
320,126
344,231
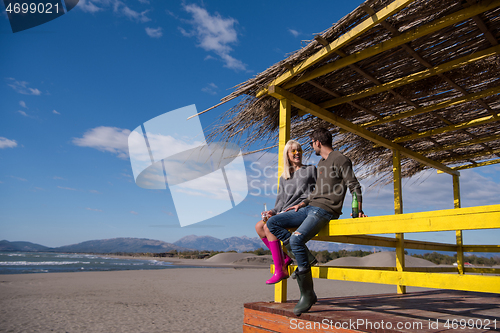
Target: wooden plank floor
x,y
428,311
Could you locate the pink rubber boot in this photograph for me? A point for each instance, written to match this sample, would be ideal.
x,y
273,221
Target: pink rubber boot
x,y
280,271
288,260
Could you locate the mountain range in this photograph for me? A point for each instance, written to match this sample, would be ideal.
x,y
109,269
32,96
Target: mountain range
x,y
187,243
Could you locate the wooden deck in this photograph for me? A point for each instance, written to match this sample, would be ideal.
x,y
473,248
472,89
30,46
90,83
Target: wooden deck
x,y
428,311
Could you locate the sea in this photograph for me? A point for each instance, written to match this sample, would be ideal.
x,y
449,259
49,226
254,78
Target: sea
x,y
49,262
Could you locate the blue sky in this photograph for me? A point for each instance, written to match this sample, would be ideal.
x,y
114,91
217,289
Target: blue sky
x,y
72,90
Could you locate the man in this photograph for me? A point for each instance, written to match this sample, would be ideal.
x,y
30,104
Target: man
x,y
335,175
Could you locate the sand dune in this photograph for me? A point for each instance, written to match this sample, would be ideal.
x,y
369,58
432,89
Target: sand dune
x,y
228,258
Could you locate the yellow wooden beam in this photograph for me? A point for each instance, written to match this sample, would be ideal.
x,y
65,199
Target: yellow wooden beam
x,y
387,242
340,42
406,37
467,124
478,283
462,144
433,107
407,269
481,248
396,171
284,131
454,64
458,233
456,192
280,288
421,245
482,270
476,165
469,156
353,128
470,218
398,209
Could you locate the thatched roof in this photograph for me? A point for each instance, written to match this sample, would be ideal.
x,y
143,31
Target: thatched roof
x,y
376,58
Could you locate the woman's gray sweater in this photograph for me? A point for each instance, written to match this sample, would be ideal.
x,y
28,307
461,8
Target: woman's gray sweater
x,y
296,189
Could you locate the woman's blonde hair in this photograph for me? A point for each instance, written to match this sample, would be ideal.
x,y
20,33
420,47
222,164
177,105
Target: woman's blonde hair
x,y
286,162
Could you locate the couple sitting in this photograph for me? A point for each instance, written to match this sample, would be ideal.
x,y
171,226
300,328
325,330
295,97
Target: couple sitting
x,y
308,198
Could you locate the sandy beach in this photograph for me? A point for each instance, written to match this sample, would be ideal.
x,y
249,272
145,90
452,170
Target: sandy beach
x,y
168,300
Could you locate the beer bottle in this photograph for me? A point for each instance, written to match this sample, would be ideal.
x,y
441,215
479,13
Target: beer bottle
x,y
355,206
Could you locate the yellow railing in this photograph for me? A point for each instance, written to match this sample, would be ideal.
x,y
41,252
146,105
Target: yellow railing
x,y
356,231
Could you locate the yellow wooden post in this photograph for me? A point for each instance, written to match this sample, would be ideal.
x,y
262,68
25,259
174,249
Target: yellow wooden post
x,y
456,201
398,209
280,288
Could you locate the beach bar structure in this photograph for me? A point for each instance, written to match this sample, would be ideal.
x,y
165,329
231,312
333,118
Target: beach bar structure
x,y
405,85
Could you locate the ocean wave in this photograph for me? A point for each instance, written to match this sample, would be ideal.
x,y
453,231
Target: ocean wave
x,y
42,263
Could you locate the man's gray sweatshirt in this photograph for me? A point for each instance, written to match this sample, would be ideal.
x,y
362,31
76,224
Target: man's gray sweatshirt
x,y
335,175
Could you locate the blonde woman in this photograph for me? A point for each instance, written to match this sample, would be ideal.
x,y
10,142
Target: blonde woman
x,y
295,184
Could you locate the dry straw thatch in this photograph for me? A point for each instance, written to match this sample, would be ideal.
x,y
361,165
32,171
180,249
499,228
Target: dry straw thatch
x,y
256,119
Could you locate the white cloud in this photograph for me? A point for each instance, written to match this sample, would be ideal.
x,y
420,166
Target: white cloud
x,y
67,188
214,34
154,33
144,2
93,6
111,139
22,87
55,112
23,104
133,15
88,6
58,178
19,178
211,89
6,143
93,209
295,33
22,113
94,191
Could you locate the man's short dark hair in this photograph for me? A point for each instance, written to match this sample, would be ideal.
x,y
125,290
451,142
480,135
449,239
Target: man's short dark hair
x,y
323,136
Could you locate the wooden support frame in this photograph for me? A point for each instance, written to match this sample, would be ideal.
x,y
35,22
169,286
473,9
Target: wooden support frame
x,y
438,220
459,236
475,155
398,209
343,40
442,130
478,283
405,37
463,144
434,107
469,166
280,288
353,128
457,63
